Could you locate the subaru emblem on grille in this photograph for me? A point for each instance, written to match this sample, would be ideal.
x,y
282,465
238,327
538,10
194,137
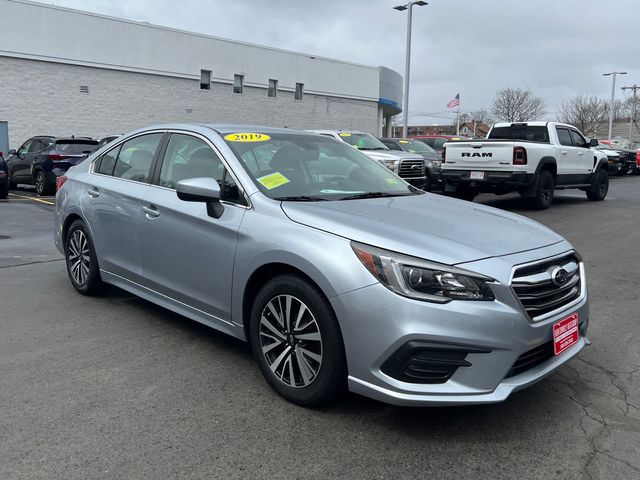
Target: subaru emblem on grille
x,y
559,276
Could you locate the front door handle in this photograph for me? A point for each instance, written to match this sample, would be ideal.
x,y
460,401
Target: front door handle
x,y
151,211
580,154
564,153
93,193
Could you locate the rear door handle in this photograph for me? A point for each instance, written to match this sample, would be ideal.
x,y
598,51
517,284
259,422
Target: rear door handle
x,y
93,193
151,211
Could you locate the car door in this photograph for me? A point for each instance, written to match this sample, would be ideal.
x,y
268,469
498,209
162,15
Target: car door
x,y
112,202
584,157
20,164
568,158
186,254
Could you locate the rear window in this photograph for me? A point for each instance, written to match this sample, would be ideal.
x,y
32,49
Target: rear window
x,y
526,133
76,146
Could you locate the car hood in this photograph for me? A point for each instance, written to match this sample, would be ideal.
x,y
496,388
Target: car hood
x,y
391,155
427,226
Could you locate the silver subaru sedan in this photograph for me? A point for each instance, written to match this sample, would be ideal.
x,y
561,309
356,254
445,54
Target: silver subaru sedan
x,y
338,272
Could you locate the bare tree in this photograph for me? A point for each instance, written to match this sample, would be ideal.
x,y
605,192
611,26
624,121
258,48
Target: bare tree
x,y
584,112
517,105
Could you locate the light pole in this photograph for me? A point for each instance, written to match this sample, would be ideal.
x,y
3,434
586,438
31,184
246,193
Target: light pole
x,y
613,95
632,117
407,65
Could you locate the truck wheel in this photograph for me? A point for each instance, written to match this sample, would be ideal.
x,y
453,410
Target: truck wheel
x,y
543,192
599,186
466,193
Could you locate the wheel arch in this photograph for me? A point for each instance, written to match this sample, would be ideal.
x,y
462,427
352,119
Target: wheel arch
x,y
547,163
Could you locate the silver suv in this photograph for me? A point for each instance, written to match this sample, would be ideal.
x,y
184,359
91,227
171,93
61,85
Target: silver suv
x,y
338,272
409,166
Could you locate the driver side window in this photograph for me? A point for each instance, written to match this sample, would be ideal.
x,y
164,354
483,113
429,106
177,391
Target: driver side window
x,y
578,140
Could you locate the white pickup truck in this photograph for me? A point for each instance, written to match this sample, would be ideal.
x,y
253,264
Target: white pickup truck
x,y
532,158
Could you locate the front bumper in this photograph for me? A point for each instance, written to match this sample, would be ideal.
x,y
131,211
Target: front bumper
x,y
380,323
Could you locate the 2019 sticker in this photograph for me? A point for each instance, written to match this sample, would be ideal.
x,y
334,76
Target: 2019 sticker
x,y
345,134
273,180
247,137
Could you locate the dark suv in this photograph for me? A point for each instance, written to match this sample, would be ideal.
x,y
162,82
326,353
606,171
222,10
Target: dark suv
x,y
4,178
41,160
432,158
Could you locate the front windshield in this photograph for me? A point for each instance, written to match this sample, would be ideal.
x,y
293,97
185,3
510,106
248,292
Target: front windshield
x,y
362,141
414,146
306,167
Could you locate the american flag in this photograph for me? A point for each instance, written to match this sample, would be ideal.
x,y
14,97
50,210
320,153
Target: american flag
x,y
455,102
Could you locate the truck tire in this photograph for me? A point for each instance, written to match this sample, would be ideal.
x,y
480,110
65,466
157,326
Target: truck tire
x,y
599,186
543,191
466,193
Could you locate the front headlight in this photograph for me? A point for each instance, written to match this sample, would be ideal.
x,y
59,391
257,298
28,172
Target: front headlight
x,y
391,164
421,279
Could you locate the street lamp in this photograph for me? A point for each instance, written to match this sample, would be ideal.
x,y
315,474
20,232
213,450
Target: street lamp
x,y
613,94
407,65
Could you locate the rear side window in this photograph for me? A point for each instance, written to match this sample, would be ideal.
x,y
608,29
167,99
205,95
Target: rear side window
x,y
191,157
133,159
564,137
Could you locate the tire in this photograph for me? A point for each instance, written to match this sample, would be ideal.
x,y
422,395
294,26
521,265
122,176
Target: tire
x,y
543,191
466,193
85,275
599,186
305,363
4,190
43,188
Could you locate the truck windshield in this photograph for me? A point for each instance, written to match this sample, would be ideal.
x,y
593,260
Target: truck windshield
x,y
301,167
362,141
517,131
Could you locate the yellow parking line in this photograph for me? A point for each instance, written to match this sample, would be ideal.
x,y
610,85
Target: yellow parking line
x,y
35,199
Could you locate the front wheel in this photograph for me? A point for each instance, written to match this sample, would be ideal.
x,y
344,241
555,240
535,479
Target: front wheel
x,y
599,186
297,342
81,260
543,191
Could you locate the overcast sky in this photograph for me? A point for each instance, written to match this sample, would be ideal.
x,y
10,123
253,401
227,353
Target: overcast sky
x,y
558,48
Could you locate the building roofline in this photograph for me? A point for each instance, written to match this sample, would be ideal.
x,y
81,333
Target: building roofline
x,y
187,32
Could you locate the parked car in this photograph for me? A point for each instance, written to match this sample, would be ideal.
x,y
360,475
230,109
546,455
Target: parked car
x,y
106,139
431,157
409,166
613,158
437,141
41,160
532,158
337,272
4,177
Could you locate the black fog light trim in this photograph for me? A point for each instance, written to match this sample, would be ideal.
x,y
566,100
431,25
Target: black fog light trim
x,y
428,362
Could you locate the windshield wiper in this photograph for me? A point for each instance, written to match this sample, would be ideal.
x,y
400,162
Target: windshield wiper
x,y
301,198
374,195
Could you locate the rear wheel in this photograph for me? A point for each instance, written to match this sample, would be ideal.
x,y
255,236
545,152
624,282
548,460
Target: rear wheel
x,y
466,193
599,186
4,189
81,260
543,191
42,186
297,342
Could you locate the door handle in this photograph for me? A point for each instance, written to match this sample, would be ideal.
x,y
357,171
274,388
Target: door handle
x,y
580,154
151,211
93,193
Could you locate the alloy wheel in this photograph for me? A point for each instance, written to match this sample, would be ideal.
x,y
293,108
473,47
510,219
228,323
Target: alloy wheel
x,y
78,257
291,341
39,180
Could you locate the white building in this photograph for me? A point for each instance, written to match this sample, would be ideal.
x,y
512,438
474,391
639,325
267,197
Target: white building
x,y
66,72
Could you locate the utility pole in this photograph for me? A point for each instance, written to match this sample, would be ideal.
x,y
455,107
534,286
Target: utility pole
x,y
632,117
613,94
407,65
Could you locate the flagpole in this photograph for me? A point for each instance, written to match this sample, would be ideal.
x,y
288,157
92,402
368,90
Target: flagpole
x,y
458,122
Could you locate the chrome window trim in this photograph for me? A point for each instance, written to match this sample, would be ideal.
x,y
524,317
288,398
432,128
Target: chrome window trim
x,y
546,316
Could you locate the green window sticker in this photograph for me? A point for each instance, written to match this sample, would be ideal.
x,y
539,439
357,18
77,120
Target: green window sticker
x,y
273,180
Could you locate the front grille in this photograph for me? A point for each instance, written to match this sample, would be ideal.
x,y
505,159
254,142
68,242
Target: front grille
x,y
538,289
411,168
532,358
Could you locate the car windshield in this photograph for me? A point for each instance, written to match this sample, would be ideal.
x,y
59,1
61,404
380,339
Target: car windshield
x,y
414,146
362,141
305,167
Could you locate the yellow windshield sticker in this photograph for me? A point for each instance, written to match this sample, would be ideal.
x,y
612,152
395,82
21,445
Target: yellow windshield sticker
x,y
273,180
404,141
344,134
392,181
247,137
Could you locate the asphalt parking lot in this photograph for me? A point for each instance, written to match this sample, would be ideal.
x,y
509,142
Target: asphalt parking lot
x,y
115,387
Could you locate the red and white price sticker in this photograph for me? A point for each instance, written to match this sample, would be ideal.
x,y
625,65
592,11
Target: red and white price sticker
x,y
565,333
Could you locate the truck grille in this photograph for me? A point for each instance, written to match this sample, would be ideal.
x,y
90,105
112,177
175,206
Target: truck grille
x,y
549,285
411,168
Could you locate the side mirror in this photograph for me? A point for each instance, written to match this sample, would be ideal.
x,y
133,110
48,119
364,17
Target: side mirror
x,y
201,189
13,151
594,142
